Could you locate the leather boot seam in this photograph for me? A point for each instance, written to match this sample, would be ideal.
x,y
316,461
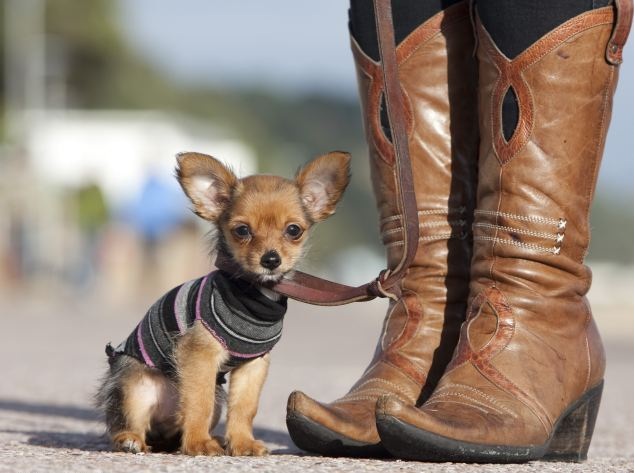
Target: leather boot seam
x,y
524,218
589,316
474,390
422,378
374,393
601,140
397,344
452,401
498,208
385,344
484,407
396,387
528,246
544,419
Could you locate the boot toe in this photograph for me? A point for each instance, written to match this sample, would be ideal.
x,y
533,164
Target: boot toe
x,y
333,429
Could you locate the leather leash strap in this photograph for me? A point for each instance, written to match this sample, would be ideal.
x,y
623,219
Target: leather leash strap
x,y
313,290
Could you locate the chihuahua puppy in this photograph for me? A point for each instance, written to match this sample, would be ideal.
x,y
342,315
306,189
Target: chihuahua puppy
x,y
163,389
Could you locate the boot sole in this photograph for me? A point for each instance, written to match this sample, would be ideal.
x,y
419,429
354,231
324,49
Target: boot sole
x,y
312,437
569,441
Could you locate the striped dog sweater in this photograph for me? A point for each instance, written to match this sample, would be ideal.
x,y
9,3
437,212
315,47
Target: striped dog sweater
x,y
242,319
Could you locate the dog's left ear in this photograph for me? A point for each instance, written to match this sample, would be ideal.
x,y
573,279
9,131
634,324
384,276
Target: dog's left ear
x,y
322,183
207,182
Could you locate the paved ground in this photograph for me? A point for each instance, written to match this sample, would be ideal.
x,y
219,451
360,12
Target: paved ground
x,y
52,356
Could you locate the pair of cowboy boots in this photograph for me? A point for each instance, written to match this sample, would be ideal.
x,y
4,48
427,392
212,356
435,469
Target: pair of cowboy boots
x,y
491,353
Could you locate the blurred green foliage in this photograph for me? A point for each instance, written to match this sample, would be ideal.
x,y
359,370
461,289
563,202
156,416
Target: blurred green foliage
x,y
102,71
612,229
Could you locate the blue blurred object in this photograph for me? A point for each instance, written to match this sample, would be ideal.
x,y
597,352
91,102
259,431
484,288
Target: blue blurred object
x,y
159,208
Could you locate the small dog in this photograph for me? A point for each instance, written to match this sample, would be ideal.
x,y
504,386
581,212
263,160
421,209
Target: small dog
x,y
163,389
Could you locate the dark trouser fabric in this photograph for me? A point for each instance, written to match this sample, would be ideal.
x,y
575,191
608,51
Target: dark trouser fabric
x,y
407,15
514,25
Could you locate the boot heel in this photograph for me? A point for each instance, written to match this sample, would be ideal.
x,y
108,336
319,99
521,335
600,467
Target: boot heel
x,y
571,440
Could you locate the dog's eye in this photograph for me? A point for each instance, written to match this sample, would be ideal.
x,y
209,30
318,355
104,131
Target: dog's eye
x,y
294,231
242,231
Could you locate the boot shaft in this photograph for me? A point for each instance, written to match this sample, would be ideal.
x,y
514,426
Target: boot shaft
x,y
437,72
528,316
438,77
535,190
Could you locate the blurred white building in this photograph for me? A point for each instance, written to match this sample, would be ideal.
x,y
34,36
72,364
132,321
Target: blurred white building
x,y
118,149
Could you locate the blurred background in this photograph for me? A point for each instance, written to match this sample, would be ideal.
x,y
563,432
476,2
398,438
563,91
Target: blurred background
x,y
97,97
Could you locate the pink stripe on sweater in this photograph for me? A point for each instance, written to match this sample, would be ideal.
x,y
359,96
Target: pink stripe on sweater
x,y
142,347
198,298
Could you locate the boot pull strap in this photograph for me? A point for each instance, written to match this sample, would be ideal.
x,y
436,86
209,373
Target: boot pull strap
x,y
313,290
621,29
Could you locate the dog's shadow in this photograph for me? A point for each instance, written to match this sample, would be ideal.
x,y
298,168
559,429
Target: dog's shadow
x,y
99,442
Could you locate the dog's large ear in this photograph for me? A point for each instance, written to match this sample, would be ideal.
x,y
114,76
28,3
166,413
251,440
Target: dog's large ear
x,y
207,182
322,183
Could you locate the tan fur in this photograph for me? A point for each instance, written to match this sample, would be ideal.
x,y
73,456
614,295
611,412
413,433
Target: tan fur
x,y
198,356
322,182
268,205
244,392
209,202
149,399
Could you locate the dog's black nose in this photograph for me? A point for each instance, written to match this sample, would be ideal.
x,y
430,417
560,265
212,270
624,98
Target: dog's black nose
x,y
270,260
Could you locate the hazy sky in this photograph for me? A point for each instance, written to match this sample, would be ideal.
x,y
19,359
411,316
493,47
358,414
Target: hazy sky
x,y
299,45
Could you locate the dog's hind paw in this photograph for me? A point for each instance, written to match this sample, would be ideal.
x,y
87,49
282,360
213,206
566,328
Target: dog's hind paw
x,y
129,442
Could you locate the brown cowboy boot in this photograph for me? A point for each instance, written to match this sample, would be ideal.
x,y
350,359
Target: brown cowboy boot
x,y
526,379
437,72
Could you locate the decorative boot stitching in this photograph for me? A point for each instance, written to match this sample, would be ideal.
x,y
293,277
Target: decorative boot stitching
x,y
525,218
481,358
460,223
520,231
372,395
538,237
363,391
459,226
503,382
441,236
394,387
455,389
446,398
392,356
449,211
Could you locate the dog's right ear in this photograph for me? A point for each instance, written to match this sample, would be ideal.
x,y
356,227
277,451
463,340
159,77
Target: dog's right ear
x,y
207,182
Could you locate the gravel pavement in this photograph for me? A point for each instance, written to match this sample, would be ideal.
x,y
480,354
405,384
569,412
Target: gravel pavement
x,y
53,356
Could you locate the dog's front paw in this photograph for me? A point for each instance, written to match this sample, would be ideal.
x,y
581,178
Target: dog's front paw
x,y
246,447
129,442
209,447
